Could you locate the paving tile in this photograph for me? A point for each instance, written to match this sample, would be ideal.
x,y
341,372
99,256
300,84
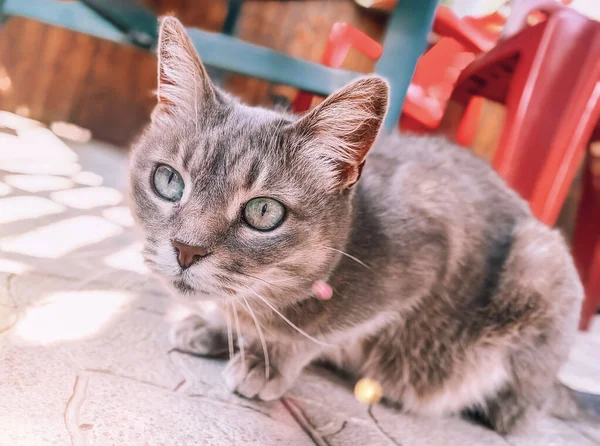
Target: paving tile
x,y
417,431
591,430
35,389
92,328
551,432
118,411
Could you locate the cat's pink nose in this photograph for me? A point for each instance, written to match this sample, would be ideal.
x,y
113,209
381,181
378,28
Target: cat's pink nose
x,y
188,255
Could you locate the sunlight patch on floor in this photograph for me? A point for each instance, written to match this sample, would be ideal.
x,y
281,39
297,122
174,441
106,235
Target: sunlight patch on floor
x,y
35,150
86,178
25,207
39,167
36,143
12,266
128,259
177,312
70,315
120,215
88,197
16,122
57,239
5,189
39,183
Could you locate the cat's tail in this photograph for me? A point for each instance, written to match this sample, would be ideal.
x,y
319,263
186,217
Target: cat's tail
x,y
569,404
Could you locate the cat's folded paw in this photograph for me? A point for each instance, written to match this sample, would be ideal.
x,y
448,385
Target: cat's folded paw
x,y
248,378
193,335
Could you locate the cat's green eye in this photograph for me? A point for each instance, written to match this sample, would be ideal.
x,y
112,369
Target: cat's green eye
x,y
264,214
168,183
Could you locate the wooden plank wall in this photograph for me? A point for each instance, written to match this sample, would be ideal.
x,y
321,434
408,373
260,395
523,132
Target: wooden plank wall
x,y
59,75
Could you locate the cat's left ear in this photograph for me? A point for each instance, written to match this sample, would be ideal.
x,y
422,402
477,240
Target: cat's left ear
x,y
182,79
339,132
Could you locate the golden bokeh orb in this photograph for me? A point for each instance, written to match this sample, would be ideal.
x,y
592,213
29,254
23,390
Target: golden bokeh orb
x,y
368,391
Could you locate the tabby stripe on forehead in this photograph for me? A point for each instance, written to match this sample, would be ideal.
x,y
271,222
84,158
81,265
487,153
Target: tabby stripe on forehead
x,y
218,164
188,153
235,160
253,173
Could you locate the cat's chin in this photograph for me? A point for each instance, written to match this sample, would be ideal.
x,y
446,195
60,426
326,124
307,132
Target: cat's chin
x,y
191,296
184,288
183,291
187,295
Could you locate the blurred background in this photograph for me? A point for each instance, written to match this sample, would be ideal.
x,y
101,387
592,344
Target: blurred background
x,y
52,74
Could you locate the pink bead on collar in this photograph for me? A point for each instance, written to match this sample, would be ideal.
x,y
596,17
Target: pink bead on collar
x,y
322,290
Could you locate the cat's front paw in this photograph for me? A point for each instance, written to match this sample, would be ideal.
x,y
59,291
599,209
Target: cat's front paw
x,y
248,378
194,335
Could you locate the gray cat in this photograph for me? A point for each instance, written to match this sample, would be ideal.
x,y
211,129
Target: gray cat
x,y
446,290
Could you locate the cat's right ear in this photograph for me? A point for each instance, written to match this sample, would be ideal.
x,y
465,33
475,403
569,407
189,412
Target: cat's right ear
x,y
183,83
339,132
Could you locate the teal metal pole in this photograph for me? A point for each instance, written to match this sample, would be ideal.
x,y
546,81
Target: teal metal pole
x,y
2,13
405,41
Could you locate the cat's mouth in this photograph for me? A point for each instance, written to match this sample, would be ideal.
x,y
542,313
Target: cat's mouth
x,y
186,289
178,282
183,287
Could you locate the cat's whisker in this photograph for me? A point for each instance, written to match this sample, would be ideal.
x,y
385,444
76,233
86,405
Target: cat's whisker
x,y
229,329
283,280
262,339
263,280
350,256
239,335
290,323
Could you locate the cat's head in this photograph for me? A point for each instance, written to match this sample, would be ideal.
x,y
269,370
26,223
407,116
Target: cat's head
x,y
238,201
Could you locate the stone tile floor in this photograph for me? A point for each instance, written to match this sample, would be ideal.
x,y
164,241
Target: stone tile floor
x,y
84,352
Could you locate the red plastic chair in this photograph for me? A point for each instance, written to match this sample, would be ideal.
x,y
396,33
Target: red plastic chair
x,y
432,84
435,74
342,38
477,34
548,75
586,241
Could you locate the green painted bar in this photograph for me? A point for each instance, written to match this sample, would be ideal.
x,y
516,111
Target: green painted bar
x,y
72,15
405,41
233,55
